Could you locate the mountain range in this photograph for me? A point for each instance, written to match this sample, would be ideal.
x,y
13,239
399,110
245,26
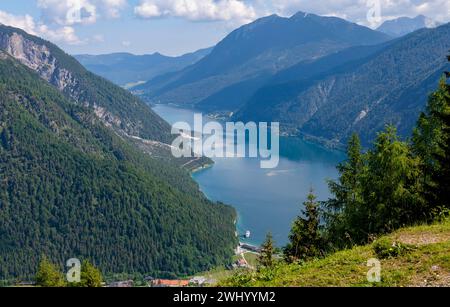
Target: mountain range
x,y
360,89
405,25
85,172
127,69
320,77
248,56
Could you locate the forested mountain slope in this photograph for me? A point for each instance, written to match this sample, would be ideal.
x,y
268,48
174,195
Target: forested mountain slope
x,y
114,105
72,187
131,118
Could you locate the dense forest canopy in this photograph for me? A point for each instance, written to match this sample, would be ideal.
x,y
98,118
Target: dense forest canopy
x,y
71,187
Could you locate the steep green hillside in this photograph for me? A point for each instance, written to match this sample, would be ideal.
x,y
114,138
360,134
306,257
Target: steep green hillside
x,y
114,105
72,187
421,259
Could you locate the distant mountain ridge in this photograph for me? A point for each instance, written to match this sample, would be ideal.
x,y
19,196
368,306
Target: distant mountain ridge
x,y
255,52
405,25
126,69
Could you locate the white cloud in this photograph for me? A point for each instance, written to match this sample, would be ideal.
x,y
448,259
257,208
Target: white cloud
x,y
58,18
242,11
68,12
64,34
71,12
24,22
198,10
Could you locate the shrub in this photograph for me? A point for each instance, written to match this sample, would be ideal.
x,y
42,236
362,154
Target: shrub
x,y
386,248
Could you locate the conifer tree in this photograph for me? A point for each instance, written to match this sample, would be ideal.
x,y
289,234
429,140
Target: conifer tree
x,y
346,207
441,179
305,239
392,188
265,258
430,143
377,192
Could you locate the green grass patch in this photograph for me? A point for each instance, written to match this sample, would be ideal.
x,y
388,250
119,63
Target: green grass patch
x,y
415,256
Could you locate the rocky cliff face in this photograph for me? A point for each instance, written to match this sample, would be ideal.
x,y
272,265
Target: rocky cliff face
x,y
116,107
38,58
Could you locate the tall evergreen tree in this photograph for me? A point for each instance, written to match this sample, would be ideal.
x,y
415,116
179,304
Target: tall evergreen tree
x,y
377,192
346,208
265,258
441,179
392,189
430,143
305,238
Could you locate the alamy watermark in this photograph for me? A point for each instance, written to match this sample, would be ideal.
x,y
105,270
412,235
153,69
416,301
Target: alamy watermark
x,y
74,273
234,140
374,12
79,12
374,274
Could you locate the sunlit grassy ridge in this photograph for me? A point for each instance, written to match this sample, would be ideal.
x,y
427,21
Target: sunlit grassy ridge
x,y
424,261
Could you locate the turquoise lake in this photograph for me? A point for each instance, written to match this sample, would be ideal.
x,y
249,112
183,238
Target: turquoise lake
x,y
265,199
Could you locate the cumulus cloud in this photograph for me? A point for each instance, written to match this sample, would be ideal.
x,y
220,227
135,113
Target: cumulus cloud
x,y
71,12
64,34
24,22
197,10
58,18
242,11
68,12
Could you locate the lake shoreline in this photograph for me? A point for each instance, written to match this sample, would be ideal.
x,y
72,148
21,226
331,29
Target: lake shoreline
x,y
202,168
264,199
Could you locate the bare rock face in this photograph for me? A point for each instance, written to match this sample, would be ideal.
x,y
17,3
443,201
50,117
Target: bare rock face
x,y
38,58
115,107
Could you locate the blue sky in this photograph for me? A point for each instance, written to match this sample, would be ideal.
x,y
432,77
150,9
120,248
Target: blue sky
x,y
174,27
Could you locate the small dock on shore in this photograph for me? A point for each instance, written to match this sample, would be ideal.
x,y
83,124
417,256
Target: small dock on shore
x,y
249,248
